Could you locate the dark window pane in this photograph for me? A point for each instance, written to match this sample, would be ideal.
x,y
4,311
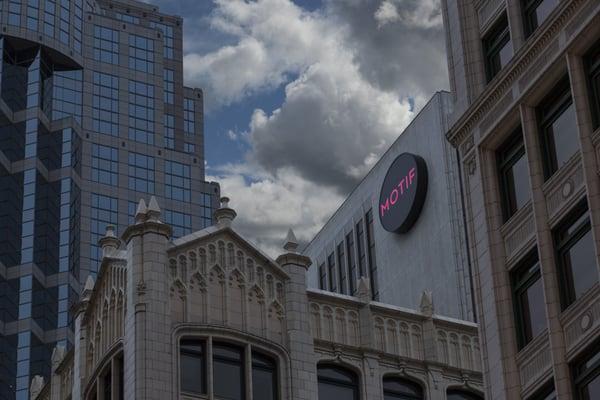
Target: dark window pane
x,y
228,373
581,259
497,48
401,389
192,366
533,308
462,395
264,378
337,383
528,295
514,175
558,128
564,130
536,12
575,256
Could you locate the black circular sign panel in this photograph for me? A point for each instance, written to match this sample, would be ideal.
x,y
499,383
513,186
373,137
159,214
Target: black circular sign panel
x,y
403,193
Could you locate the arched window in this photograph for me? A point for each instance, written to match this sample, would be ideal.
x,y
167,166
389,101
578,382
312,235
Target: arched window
x,y
264,377
455,394
337,383
396,388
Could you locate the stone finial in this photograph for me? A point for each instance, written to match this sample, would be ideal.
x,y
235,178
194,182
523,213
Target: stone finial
x,y
109,242
88,288
37,384
363,291
153,211
224,214
426,306
58,354
291,243
142,210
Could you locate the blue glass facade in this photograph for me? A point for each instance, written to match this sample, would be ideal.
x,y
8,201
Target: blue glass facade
x,y
80,143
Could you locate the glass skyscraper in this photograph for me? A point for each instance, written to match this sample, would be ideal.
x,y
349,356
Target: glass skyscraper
x,y
93,116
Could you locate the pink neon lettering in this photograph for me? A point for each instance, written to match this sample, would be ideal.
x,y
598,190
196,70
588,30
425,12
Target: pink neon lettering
x,y
395,195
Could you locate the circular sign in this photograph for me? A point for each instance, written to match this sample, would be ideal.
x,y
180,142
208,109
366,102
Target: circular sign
x,y
403,193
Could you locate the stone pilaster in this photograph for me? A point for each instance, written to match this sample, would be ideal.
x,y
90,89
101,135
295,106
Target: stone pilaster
x,y
300,340
147,329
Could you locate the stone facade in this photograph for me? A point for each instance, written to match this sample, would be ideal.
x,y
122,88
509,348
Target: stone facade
x,y
152,292
487,112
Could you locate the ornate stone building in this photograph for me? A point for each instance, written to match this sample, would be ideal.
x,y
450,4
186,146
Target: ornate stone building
x,y
209,316
525,76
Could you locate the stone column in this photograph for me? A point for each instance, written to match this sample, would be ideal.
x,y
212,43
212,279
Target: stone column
x,y
147,329
300,341
546,253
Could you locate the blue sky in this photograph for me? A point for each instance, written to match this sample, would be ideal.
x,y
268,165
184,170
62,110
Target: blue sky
x,y
303,96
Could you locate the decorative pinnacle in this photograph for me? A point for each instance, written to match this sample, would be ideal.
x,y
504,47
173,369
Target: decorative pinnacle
x,y
291,243
153,211
140,214
224,214
109,242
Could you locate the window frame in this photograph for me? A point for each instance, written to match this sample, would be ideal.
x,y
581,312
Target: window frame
x,y
204,361
231,361
507,156
371,254
351,263
548,111
331,272
322,277
582,375
341,264
344,371
274,369
592,68
520,283
529,8
492,43
467,394
407,382
563,245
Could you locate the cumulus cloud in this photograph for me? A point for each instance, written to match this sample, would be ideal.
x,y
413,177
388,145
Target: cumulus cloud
x,y
415,13
351,71
268,205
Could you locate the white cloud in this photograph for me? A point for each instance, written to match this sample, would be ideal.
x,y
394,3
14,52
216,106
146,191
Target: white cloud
x,y
346,103
269,205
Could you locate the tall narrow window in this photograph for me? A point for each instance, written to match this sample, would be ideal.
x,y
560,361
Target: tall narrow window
x,y
586,375
105,100
104,212
372,257
106,45
592,63
228,372
529,304
396,388
141,173
360,246
192,366
178,183
331,272
497,48
322,277
535,13
351,262
558,128
337,383
264,377
575,256
141,112
141,54
105,164
342,267
514,175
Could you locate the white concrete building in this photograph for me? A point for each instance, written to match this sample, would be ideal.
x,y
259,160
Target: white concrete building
x,y
209,316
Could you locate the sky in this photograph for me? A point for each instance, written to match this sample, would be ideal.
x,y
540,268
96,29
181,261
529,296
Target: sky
x,y
302,97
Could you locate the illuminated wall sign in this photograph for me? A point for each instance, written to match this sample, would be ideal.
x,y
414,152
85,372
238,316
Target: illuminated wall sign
x,y
403,193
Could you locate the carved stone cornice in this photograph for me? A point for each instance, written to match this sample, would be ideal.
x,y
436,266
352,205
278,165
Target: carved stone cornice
x,y
146,227
505,80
